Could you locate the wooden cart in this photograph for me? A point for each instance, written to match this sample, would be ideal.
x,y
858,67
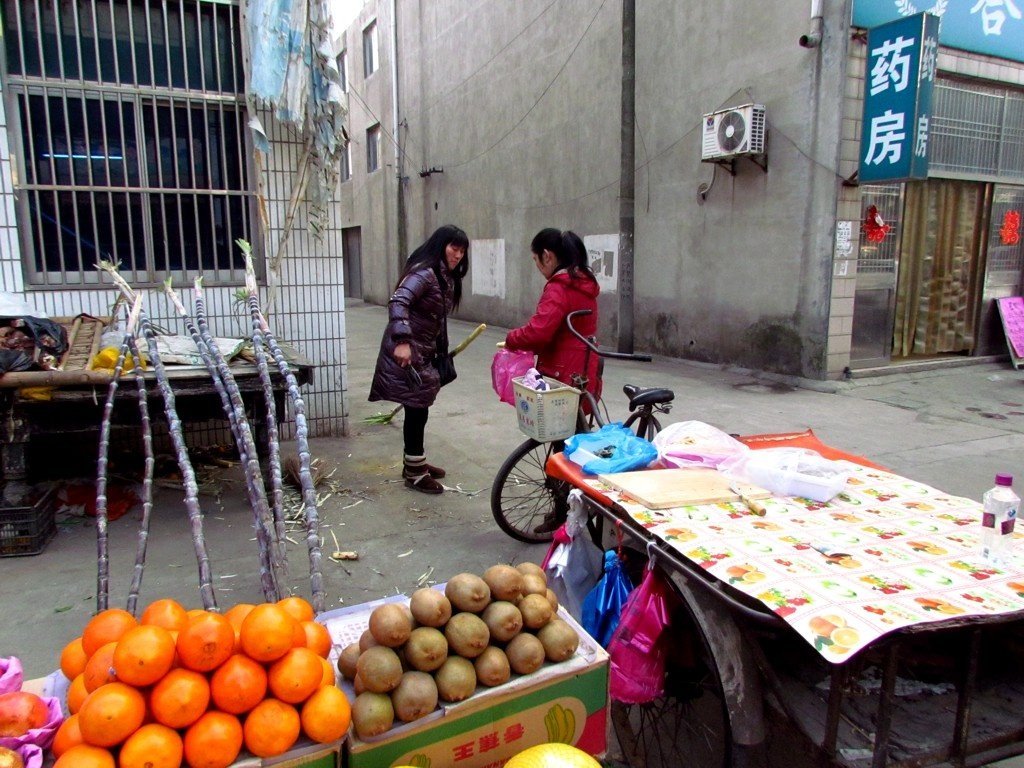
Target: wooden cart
x,y
743,688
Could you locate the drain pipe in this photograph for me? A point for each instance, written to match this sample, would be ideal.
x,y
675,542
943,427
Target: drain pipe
x,y
813,38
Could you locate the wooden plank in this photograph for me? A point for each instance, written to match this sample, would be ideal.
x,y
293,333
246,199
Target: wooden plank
x,y
664,488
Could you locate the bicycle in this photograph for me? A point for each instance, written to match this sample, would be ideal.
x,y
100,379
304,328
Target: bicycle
x,y
523,496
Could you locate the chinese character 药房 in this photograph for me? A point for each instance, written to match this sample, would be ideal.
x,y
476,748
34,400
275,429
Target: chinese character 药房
x,y
891,66
887,136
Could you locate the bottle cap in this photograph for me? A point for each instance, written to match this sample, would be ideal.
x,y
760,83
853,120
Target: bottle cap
x,y
1004,479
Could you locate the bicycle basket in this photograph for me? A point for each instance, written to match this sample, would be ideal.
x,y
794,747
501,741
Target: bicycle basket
x,y
546,415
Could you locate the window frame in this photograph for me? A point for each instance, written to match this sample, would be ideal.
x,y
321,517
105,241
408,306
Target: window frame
x,y
373,148
184,223
371,49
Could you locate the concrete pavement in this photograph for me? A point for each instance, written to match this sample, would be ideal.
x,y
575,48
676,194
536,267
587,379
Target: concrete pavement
x,y
953,428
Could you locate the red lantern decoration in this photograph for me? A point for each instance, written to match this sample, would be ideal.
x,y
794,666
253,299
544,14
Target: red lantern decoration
x,y
1009,232
875,229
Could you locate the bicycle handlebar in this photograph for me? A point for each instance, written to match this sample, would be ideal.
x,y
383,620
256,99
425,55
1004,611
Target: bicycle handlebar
x,y
594,348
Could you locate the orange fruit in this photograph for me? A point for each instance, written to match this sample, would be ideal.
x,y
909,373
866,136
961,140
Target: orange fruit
x,y
67,736
213,741
271,728
143,655
205,642
99,670
85,756
318,639
298,636
330,676
152,746
295,676
238,685
237,613
297,607
73,659
21,712
106,627
165,613
180,698
76,694
326,715
268,632
111,714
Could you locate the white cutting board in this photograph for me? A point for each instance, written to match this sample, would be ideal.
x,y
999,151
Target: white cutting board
x,y
664,488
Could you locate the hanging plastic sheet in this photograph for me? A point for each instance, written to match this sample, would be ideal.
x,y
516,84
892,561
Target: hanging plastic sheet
x,y
573,563
603,605
638,647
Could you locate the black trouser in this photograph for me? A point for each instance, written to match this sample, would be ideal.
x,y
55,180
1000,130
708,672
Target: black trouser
x,y
412,430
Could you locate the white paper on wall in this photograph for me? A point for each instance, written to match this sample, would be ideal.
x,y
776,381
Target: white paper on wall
x,y
487,267
603,251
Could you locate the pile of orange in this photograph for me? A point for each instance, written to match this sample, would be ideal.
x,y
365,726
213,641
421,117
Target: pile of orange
x,y
179,687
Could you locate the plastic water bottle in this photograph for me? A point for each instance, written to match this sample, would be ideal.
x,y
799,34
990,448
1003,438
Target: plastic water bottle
x,y
1000,513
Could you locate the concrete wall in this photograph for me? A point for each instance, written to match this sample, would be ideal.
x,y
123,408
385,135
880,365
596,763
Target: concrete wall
x,y
519,104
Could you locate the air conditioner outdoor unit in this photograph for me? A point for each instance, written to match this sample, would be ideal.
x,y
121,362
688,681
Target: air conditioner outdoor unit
x,y
733,132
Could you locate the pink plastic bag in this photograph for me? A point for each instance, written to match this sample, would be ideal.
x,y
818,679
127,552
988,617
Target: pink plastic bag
x,y
638,646
507,365
10,674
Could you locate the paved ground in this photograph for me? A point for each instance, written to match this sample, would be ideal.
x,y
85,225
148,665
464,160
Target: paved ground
x,y
953,428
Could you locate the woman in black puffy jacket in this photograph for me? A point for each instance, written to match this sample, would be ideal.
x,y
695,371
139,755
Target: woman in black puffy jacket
x,y
429,289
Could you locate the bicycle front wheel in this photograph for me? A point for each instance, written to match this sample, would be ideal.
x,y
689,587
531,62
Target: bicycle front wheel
x,y
523,496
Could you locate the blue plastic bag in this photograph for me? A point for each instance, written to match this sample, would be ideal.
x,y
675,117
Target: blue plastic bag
x,y
602,606
613,448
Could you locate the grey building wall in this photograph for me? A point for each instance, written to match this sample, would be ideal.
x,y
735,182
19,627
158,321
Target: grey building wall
x,y
519,103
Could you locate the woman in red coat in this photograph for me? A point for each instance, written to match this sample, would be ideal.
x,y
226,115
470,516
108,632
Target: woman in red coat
x,y
562,258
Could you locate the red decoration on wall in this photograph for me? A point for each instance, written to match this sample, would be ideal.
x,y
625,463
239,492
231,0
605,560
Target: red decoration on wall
x,y
1009,232
875,229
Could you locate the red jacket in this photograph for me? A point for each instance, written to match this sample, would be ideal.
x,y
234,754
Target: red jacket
x,y
559,353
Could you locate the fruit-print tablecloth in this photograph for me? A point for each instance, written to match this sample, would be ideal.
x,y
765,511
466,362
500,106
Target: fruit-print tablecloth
x,y
887,552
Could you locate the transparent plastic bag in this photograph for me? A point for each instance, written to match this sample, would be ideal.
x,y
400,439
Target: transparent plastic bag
x,y
789,472
602,607
695,444
638,648
509,364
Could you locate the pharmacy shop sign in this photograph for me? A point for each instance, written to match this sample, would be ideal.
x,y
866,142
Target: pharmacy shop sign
x,y
992,27
898,99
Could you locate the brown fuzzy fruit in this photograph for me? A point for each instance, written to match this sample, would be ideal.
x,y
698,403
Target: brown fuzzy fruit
x,y
390,624
505,582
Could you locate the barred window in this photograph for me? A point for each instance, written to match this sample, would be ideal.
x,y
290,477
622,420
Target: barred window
x,y
129,122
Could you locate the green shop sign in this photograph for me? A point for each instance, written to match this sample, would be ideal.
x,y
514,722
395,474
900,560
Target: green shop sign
x,y
993,27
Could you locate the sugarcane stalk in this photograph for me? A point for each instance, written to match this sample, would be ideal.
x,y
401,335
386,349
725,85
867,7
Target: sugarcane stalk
x,y
385,418
273,436
102,551
174,428
253,474
267,578
312,517
147,478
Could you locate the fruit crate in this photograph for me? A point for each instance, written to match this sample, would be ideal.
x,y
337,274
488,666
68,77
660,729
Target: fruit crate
x,y
546,415
26,530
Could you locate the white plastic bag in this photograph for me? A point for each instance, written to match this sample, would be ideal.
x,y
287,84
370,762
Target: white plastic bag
x,y
695,444
573,567
789,472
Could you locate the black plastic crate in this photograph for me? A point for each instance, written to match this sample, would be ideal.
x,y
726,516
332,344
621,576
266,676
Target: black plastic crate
x,y
27,530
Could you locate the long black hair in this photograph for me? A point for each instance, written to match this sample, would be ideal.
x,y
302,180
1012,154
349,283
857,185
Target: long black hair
x,y
568,248
431,254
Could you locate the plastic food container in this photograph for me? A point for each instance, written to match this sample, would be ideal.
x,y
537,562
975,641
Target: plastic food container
x,y
790,472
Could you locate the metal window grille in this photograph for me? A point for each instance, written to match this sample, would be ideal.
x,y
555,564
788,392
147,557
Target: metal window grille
x,y
372,148
129,122
370,49
881,258
977,132
343,70
346,162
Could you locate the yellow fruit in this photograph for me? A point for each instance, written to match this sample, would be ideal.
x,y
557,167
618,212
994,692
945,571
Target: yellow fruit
x,y
553,756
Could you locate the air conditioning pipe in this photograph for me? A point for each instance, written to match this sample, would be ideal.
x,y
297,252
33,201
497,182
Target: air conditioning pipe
x,y
813,38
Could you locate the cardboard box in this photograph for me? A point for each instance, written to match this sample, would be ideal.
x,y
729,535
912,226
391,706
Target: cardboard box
x,y
559,702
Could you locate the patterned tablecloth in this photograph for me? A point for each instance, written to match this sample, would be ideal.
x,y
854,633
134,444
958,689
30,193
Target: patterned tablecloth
x,y
887,552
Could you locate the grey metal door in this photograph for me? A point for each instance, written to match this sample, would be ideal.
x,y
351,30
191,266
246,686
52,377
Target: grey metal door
x,y
352,259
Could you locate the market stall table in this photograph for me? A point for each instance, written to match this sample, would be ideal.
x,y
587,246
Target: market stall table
x,y
839,609
71,399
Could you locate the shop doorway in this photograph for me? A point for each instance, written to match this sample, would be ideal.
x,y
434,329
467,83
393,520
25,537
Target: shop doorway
x,y
352,261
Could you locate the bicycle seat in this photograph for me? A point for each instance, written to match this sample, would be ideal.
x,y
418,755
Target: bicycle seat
x,y
647,395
